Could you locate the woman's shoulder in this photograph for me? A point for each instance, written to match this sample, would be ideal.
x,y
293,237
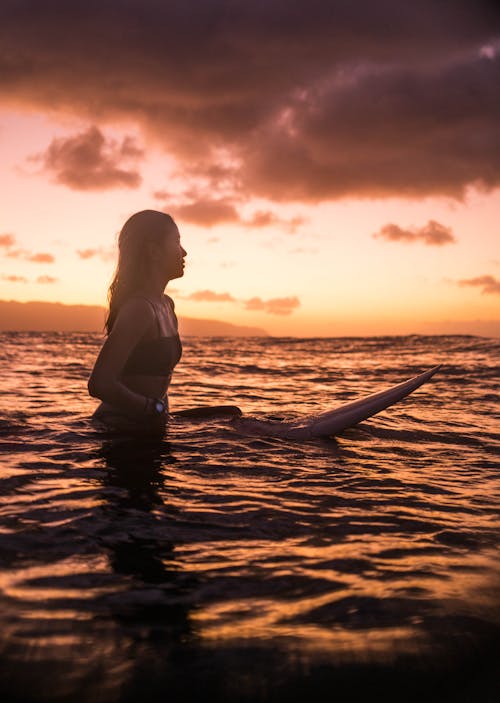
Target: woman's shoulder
x,y
169,301
133,318
136,306
171,314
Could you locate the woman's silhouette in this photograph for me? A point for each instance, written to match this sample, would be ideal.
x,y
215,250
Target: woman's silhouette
x,y
132,373
133,370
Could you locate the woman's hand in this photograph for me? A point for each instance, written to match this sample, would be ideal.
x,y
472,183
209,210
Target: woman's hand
x,y
156,411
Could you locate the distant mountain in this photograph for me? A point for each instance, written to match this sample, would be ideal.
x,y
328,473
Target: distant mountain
x,y
40,316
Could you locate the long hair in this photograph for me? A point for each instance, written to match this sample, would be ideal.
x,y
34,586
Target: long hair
x,y
133,267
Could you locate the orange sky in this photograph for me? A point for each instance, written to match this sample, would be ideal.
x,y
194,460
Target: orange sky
x,y
329,176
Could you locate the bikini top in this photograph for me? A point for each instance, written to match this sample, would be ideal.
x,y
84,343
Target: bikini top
x,y
155,357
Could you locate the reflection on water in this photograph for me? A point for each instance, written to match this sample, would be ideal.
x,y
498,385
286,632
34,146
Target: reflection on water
x,y
243,568
87,617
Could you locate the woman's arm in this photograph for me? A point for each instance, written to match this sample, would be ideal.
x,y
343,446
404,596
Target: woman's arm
x,y
132,321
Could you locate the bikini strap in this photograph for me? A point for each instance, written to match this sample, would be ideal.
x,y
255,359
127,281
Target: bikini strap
x,y
154,310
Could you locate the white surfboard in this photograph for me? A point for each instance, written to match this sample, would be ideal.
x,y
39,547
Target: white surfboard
x,y
333,422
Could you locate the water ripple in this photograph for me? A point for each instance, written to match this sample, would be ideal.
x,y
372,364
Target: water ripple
x,y
374,545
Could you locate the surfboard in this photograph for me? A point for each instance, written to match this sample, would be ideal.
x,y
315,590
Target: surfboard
x,y
333,422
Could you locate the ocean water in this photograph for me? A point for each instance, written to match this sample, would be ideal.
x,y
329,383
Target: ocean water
x,y
215,565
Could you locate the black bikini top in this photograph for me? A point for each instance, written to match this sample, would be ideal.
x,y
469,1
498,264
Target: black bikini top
x,y
155,357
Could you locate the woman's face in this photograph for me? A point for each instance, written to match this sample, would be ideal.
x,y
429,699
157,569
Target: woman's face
x,y
171,254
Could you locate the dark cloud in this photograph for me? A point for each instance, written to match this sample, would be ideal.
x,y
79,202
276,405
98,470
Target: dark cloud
x,y
207,211
99,252
274,306
46,279
90,161
384,131
488,284
433,234
290,100
15,279
210,296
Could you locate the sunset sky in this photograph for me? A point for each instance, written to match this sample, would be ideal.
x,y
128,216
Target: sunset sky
x,y
334,167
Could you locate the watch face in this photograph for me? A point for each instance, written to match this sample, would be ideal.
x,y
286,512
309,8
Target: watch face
x,y
159,407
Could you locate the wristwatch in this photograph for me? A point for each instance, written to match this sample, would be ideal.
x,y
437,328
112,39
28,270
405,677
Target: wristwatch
x,y
156,406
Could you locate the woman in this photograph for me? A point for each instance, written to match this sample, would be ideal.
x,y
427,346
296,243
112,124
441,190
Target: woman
x,y
132,373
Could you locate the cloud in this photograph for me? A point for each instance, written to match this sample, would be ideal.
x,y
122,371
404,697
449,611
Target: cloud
x,y
207,211
7,241
266,218
22,279
432,234
489,284
291,101
273,306
99,252
90,161
15,279
41,258
210,296
15,253
392,130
